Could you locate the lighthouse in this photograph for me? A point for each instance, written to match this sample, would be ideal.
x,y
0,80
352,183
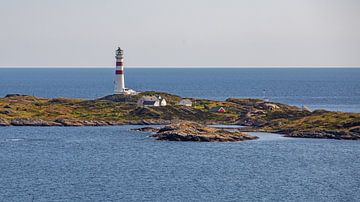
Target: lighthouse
x,y
119,74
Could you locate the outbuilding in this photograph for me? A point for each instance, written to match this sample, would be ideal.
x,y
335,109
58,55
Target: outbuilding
x,y
218,109
185,102
151,101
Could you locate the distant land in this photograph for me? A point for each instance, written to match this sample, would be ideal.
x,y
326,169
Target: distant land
x,y
255,114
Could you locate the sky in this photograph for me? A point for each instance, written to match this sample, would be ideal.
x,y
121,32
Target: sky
x,y
180,33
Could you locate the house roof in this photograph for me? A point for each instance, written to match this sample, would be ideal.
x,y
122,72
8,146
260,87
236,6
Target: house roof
x,y
149,102
149,98
185,101
215,109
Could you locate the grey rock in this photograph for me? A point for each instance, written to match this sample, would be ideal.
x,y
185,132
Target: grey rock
x,y
4,122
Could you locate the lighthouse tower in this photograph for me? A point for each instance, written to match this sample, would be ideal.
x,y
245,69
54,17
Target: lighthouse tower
x,y
119,73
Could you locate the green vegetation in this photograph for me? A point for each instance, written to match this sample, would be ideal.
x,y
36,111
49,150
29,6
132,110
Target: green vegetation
x,y
258,114
318,120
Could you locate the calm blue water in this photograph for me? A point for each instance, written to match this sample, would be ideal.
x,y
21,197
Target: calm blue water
x,y
333,89
115,164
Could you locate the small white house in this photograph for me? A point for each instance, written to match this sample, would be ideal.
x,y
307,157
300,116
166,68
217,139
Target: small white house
x,y
151,101
162,101
185,102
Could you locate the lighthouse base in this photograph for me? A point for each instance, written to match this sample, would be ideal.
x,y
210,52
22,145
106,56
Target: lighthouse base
x,y
126,91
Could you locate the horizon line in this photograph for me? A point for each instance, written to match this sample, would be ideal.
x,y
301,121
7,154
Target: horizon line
x,y
240,67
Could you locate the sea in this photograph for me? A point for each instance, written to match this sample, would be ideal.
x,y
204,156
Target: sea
x,y
116,164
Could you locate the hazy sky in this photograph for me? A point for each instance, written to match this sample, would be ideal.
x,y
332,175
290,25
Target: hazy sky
x,y
180,32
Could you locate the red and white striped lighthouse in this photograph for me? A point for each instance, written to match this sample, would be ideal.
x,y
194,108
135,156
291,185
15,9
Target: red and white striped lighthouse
x,y
119,72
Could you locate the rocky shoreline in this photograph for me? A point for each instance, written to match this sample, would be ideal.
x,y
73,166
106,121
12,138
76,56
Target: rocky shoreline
x,y
255,114
339,135
75,123
195,132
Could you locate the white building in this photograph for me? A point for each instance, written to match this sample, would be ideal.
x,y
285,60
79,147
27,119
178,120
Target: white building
x,y
185,102
163,102
151,101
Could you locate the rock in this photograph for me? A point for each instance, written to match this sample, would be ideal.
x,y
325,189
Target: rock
x,y
120,98
95,123
147,113
145,122
258,115
253,122
340,135
4,122
32,122
71,122
6,112
270,106
355,123
67,122
14,95
146,129
355,129
167,128
61,100
116,123
190,131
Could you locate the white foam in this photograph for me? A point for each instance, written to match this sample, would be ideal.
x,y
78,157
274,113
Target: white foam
x,y
14,139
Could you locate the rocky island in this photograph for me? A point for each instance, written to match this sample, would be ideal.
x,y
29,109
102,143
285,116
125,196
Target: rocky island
x,y
255,114
191,131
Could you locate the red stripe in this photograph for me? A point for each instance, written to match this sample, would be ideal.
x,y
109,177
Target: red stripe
x,y
119,63
119,72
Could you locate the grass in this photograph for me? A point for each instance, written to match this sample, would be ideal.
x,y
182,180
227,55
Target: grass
x,y
238,111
